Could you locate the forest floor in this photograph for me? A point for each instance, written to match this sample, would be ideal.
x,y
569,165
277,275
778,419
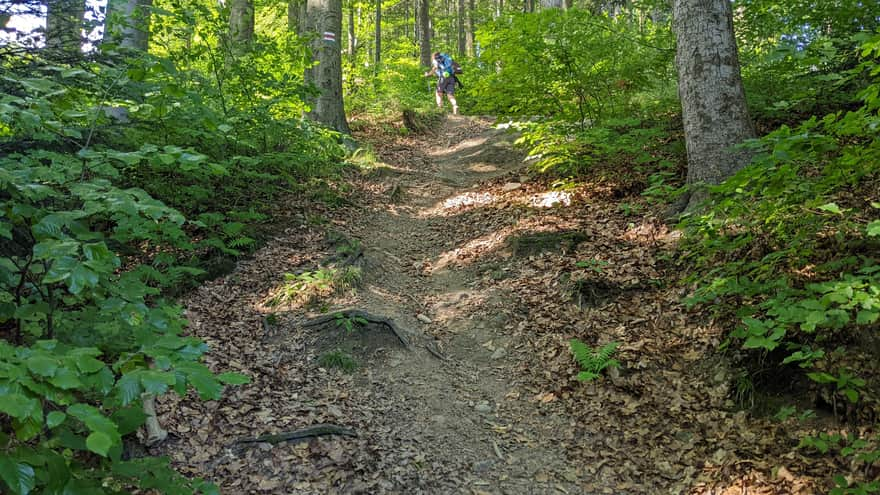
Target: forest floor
x,y
488,273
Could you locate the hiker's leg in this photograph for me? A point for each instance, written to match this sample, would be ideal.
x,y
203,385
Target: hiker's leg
x,y
454,103
439,96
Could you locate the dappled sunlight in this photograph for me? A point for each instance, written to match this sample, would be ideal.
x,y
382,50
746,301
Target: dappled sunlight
x,y
473,249
483,168
463,145
550,199
468,199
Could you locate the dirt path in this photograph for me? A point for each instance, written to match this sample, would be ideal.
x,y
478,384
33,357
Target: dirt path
x,y
480,268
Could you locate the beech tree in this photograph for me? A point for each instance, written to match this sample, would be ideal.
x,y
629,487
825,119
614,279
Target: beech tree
x,y
710,88
241,24
128,23
425,31
64,23
324,19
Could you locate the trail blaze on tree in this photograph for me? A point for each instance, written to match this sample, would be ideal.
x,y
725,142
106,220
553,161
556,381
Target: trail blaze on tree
x,y
324,21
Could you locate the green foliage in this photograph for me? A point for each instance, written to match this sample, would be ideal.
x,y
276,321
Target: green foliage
x,y
593,361
350,323
571,64
338,359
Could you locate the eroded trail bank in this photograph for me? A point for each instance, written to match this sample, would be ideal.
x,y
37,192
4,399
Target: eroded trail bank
x,y
486,274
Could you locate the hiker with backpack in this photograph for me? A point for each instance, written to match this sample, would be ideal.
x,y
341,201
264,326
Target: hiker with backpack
x,y
445,69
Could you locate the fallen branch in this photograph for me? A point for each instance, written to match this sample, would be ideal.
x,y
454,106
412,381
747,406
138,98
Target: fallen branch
x,y
318,430
432,348
356,313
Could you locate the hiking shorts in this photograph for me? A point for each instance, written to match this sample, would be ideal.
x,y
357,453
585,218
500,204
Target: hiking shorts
x,y
446,85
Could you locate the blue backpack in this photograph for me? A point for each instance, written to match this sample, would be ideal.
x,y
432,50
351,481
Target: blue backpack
x,y
445,66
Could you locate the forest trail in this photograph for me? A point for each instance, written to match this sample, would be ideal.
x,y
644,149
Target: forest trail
x,y
470,259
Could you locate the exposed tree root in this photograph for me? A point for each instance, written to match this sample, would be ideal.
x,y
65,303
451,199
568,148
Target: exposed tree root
x,y
318,430
353,314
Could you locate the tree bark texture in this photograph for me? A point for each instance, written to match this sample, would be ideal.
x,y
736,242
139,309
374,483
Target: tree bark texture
x,y
352,35
471,30
64,24
378,33
241,25
324,18
296,15
713,102
425,30
552,4
128,23
462,21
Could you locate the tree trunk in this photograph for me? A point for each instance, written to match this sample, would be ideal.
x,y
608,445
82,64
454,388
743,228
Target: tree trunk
x,y
324,19
471,32
64,24
378,33
425,30
296,15
352,35
551,4
241,25
128,23
462,20
710,87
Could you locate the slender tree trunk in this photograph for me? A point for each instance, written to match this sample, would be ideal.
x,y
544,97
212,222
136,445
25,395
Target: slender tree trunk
x,y
710,87
499,8
406,19
64,24
462,21
296,15
471,32
425,30
378,33
128,23
352,35
324,19
241,25
551,4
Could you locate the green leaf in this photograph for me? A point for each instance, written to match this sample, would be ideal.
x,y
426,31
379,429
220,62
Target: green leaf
x,y
99,443
156,382
129,388
873,228
55,418
19,477
65,379
233,378
831,208
42,365
18,406
864,316
821,377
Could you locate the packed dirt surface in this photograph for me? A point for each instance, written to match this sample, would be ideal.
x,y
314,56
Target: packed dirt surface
x,y
486,274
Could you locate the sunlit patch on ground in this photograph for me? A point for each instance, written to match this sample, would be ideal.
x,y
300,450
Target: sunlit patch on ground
x,y
550,199
465,144
483,168
475,248
468,199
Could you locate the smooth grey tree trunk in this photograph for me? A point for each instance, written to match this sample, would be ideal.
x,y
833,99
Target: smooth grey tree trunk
x,y
462,21
552,4
378,33
471,30
352,35
324,19
425,30
128,23
296,16
713,102
64,24
241,25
